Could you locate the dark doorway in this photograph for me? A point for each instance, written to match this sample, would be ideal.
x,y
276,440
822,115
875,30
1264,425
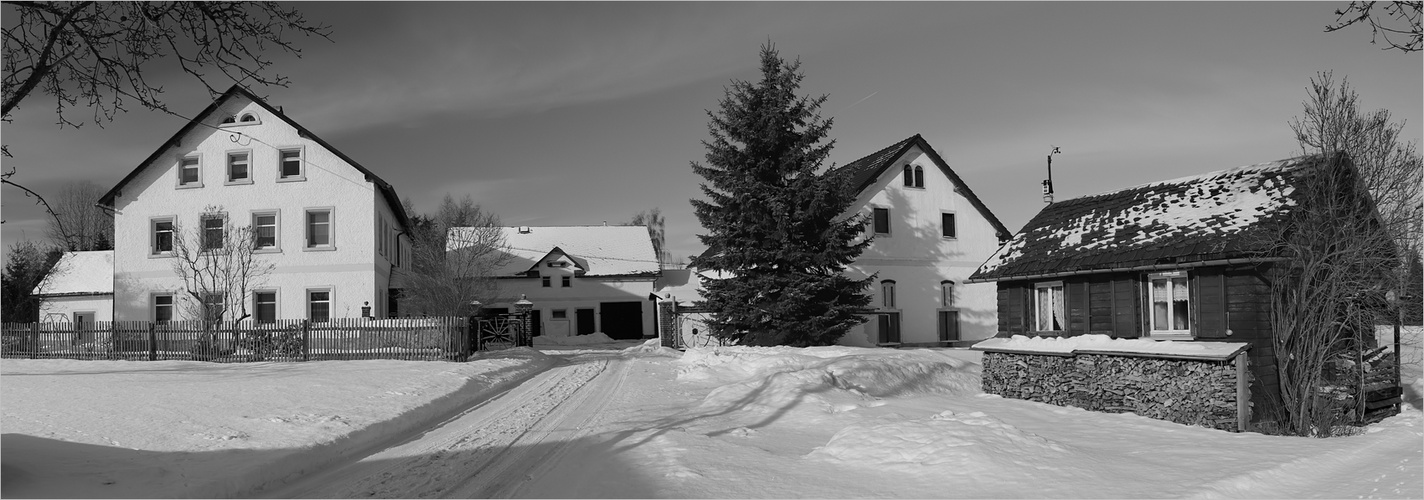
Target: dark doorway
x,y
622,320
536,323
584,318
890,328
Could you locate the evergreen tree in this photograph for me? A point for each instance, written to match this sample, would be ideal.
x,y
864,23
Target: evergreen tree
x,y
776,223
26,266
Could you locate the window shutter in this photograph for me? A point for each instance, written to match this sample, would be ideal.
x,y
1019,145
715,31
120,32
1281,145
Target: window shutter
x,y
1209,306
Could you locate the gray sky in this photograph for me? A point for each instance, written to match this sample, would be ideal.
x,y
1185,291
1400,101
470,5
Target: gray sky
x,y
579,113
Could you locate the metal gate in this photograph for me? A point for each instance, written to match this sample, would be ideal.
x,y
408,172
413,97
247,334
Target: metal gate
x,y
501,331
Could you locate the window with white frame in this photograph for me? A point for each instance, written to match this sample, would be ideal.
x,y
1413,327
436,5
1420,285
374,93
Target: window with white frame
x,y
559,314
318,228
162,241
319,305
909,177
162,308
264,231
264,306
189,172
919,177
546,281
946,293
1171,303
947,226
291,165
214,230
880,220
239,167
887,294
565,281
1048,307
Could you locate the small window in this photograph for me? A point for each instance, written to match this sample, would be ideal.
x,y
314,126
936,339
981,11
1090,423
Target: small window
x,y
1048,310
909,177
1171,303
887,294
565,281
264,231
545,282
946,224
264,304
238,167
249,118
188,170
292,167
319,228
559,314
919,177
946,294
881,221
162,308
230,119
162,236
213,307
319,306
214,231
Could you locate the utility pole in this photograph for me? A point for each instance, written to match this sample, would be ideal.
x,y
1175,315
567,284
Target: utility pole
x,y
1048,183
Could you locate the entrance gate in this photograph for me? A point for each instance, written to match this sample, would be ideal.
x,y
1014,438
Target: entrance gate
x,y
501,331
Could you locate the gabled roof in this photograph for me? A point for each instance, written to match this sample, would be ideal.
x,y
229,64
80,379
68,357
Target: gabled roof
x,y
600,250
386,189
79,273
1228,214
864,172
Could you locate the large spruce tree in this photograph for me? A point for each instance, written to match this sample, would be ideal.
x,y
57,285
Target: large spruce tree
x,y
776,224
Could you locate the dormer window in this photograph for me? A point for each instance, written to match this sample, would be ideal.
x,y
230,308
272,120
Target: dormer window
x,y
249,118
558,264
229,120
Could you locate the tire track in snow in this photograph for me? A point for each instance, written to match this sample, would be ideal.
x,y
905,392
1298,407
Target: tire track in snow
x,y
463,451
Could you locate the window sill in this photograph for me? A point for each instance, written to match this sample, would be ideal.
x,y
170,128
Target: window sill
x,y
296,178
267,250
164,255
189,186
328,248
238,182
1170,336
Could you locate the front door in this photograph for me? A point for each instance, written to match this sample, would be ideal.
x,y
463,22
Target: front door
x,y
83,326
889,328
584,318
622,320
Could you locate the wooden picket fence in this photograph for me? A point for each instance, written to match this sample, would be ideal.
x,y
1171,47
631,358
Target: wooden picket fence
x,y
441,338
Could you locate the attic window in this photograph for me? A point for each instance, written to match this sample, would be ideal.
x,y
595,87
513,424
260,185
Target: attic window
x,y
909,177
919,177
249,118
558,264
230,119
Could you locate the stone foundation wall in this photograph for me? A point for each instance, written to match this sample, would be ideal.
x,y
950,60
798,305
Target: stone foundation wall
x,y
1184,391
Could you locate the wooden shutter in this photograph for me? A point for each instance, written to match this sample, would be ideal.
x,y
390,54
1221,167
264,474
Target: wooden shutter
x,y
1209,303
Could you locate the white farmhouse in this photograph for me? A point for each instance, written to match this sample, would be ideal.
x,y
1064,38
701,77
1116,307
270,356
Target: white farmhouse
x,y
581,279
931,232
79,289
333,229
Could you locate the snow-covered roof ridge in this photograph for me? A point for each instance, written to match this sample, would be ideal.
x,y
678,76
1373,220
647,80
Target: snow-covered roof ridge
x,y
1217,215
1103,344
599,250
79,273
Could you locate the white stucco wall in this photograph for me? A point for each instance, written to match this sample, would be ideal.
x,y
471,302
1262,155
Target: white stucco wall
x,y
62,309
351,270
583,292
918,258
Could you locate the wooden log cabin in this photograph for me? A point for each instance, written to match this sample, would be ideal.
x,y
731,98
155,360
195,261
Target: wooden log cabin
x,y
1185,260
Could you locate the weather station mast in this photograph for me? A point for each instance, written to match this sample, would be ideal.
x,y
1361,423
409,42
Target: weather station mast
x,y
1048,183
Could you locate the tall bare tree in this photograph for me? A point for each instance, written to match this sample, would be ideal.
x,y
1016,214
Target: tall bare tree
x,y
657,231
219,267
454,253
78,223
1395,22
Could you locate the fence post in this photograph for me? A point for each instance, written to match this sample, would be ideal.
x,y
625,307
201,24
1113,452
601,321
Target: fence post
x,y
152,342
306,340
34,340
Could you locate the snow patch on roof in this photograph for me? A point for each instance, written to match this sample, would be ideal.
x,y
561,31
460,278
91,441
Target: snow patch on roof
x,y
80,273
599,250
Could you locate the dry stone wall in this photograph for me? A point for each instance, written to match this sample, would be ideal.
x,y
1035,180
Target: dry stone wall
x,y
1188,392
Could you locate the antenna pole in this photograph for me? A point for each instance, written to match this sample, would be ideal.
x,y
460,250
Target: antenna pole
x,y
1048,183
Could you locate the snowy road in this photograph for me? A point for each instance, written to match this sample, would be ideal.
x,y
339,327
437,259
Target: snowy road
x,y
485,451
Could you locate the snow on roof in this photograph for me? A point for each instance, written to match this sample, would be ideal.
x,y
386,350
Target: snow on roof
x,y
1225,214
1093,344
80,273
598,250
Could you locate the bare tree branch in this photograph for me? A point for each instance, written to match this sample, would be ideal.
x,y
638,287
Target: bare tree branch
x,y
1398,25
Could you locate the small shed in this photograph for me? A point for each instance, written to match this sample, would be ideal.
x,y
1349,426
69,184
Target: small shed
x,y
79,289
1183,260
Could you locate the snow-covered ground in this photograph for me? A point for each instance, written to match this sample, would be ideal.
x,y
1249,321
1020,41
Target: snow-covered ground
x,y
621,419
